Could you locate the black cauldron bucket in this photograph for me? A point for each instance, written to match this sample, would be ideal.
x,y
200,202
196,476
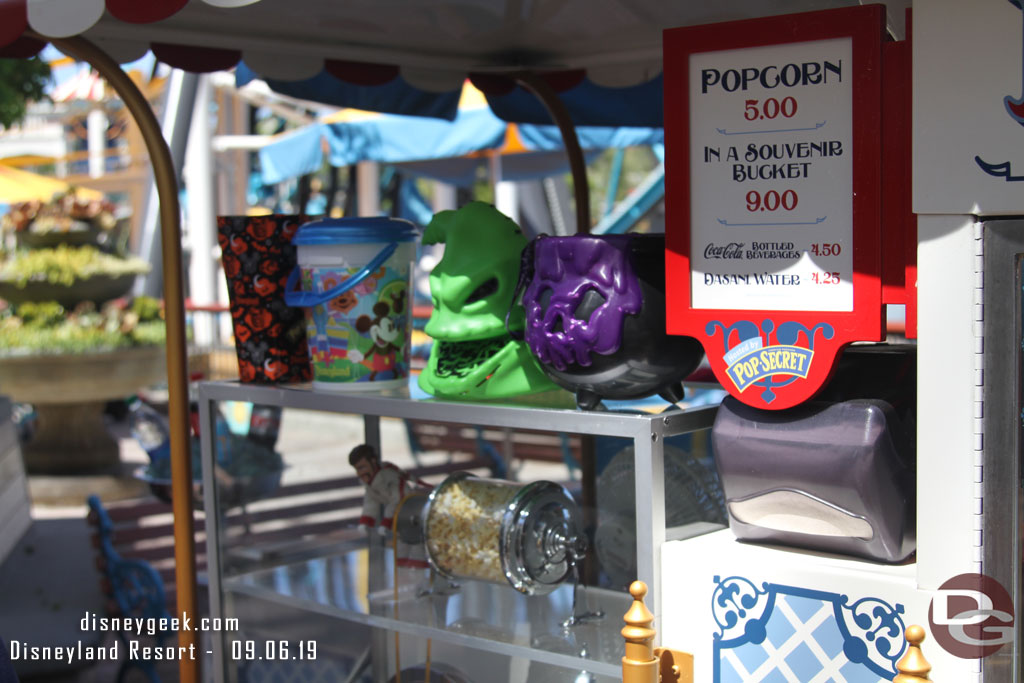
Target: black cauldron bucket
x,y
595,317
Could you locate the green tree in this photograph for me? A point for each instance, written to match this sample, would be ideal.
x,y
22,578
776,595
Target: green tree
x,y
21,81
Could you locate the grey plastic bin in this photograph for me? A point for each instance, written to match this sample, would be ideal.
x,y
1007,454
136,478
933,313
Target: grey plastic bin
x,y
830,476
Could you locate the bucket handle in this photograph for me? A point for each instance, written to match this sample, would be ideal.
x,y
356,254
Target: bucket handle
x,y
296,298
526,267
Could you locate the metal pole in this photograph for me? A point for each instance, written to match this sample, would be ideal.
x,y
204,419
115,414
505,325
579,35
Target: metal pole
x,y
556,108
174,307
649,464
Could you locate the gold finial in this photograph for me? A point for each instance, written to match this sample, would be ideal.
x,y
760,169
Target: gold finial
x,y
644,663
638,619
639,665
913,667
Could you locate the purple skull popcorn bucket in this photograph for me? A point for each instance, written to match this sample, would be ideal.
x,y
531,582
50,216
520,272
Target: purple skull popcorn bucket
x,y
595,317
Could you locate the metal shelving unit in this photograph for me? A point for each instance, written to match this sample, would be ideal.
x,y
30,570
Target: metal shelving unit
x,y
646,431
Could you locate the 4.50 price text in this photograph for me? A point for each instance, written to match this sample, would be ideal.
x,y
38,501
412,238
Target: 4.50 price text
x,y
827,249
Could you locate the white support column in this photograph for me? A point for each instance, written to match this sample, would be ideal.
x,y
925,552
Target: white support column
x,y
368,181
174,124
947,342
201,215
444,197
96,132
506,194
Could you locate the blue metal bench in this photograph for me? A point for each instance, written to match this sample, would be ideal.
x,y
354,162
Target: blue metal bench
x,y
132,587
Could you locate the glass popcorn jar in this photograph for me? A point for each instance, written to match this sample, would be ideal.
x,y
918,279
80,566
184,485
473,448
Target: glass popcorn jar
x,y
528,535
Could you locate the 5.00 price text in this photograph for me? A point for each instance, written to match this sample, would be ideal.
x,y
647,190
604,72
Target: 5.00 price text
x,y
754,110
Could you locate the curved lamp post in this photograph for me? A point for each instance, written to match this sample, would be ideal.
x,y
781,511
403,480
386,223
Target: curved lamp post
x,y
174,307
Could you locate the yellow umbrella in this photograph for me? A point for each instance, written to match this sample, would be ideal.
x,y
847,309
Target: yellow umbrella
x,y
17,185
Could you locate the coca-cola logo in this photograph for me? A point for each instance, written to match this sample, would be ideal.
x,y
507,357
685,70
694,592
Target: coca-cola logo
x,y
731,250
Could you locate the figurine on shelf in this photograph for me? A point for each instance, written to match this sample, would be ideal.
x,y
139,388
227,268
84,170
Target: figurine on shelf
x,y
386,487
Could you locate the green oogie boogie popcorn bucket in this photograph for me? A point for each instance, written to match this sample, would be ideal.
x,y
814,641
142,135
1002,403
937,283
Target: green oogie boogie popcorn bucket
x,y
354,278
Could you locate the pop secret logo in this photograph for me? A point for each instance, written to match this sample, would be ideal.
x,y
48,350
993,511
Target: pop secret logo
x,y
767,356
751,361
971,616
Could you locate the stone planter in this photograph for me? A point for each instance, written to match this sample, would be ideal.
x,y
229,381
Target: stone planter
x,y
98,288
78,233
69,393
81,232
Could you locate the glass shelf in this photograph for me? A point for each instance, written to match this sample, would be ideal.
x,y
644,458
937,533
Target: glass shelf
x,y
552,411
485,616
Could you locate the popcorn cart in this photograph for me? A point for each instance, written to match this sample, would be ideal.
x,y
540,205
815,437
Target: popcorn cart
x,y
756,116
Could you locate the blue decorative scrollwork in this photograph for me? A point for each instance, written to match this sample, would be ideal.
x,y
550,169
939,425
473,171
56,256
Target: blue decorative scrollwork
x,y
873,633
723,131
744,328
739,609
817,221
788,333
871,629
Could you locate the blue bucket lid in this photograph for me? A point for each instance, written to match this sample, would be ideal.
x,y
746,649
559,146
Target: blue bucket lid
x,y
356,231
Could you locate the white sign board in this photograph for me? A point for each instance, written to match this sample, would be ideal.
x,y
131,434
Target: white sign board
x,y
771,168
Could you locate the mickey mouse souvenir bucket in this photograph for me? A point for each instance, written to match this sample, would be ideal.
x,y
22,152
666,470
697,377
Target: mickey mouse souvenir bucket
x,y
354,279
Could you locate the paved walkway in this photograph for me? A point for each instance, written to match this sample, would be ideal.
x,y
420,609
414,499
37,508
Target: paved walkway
x,y
50,581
